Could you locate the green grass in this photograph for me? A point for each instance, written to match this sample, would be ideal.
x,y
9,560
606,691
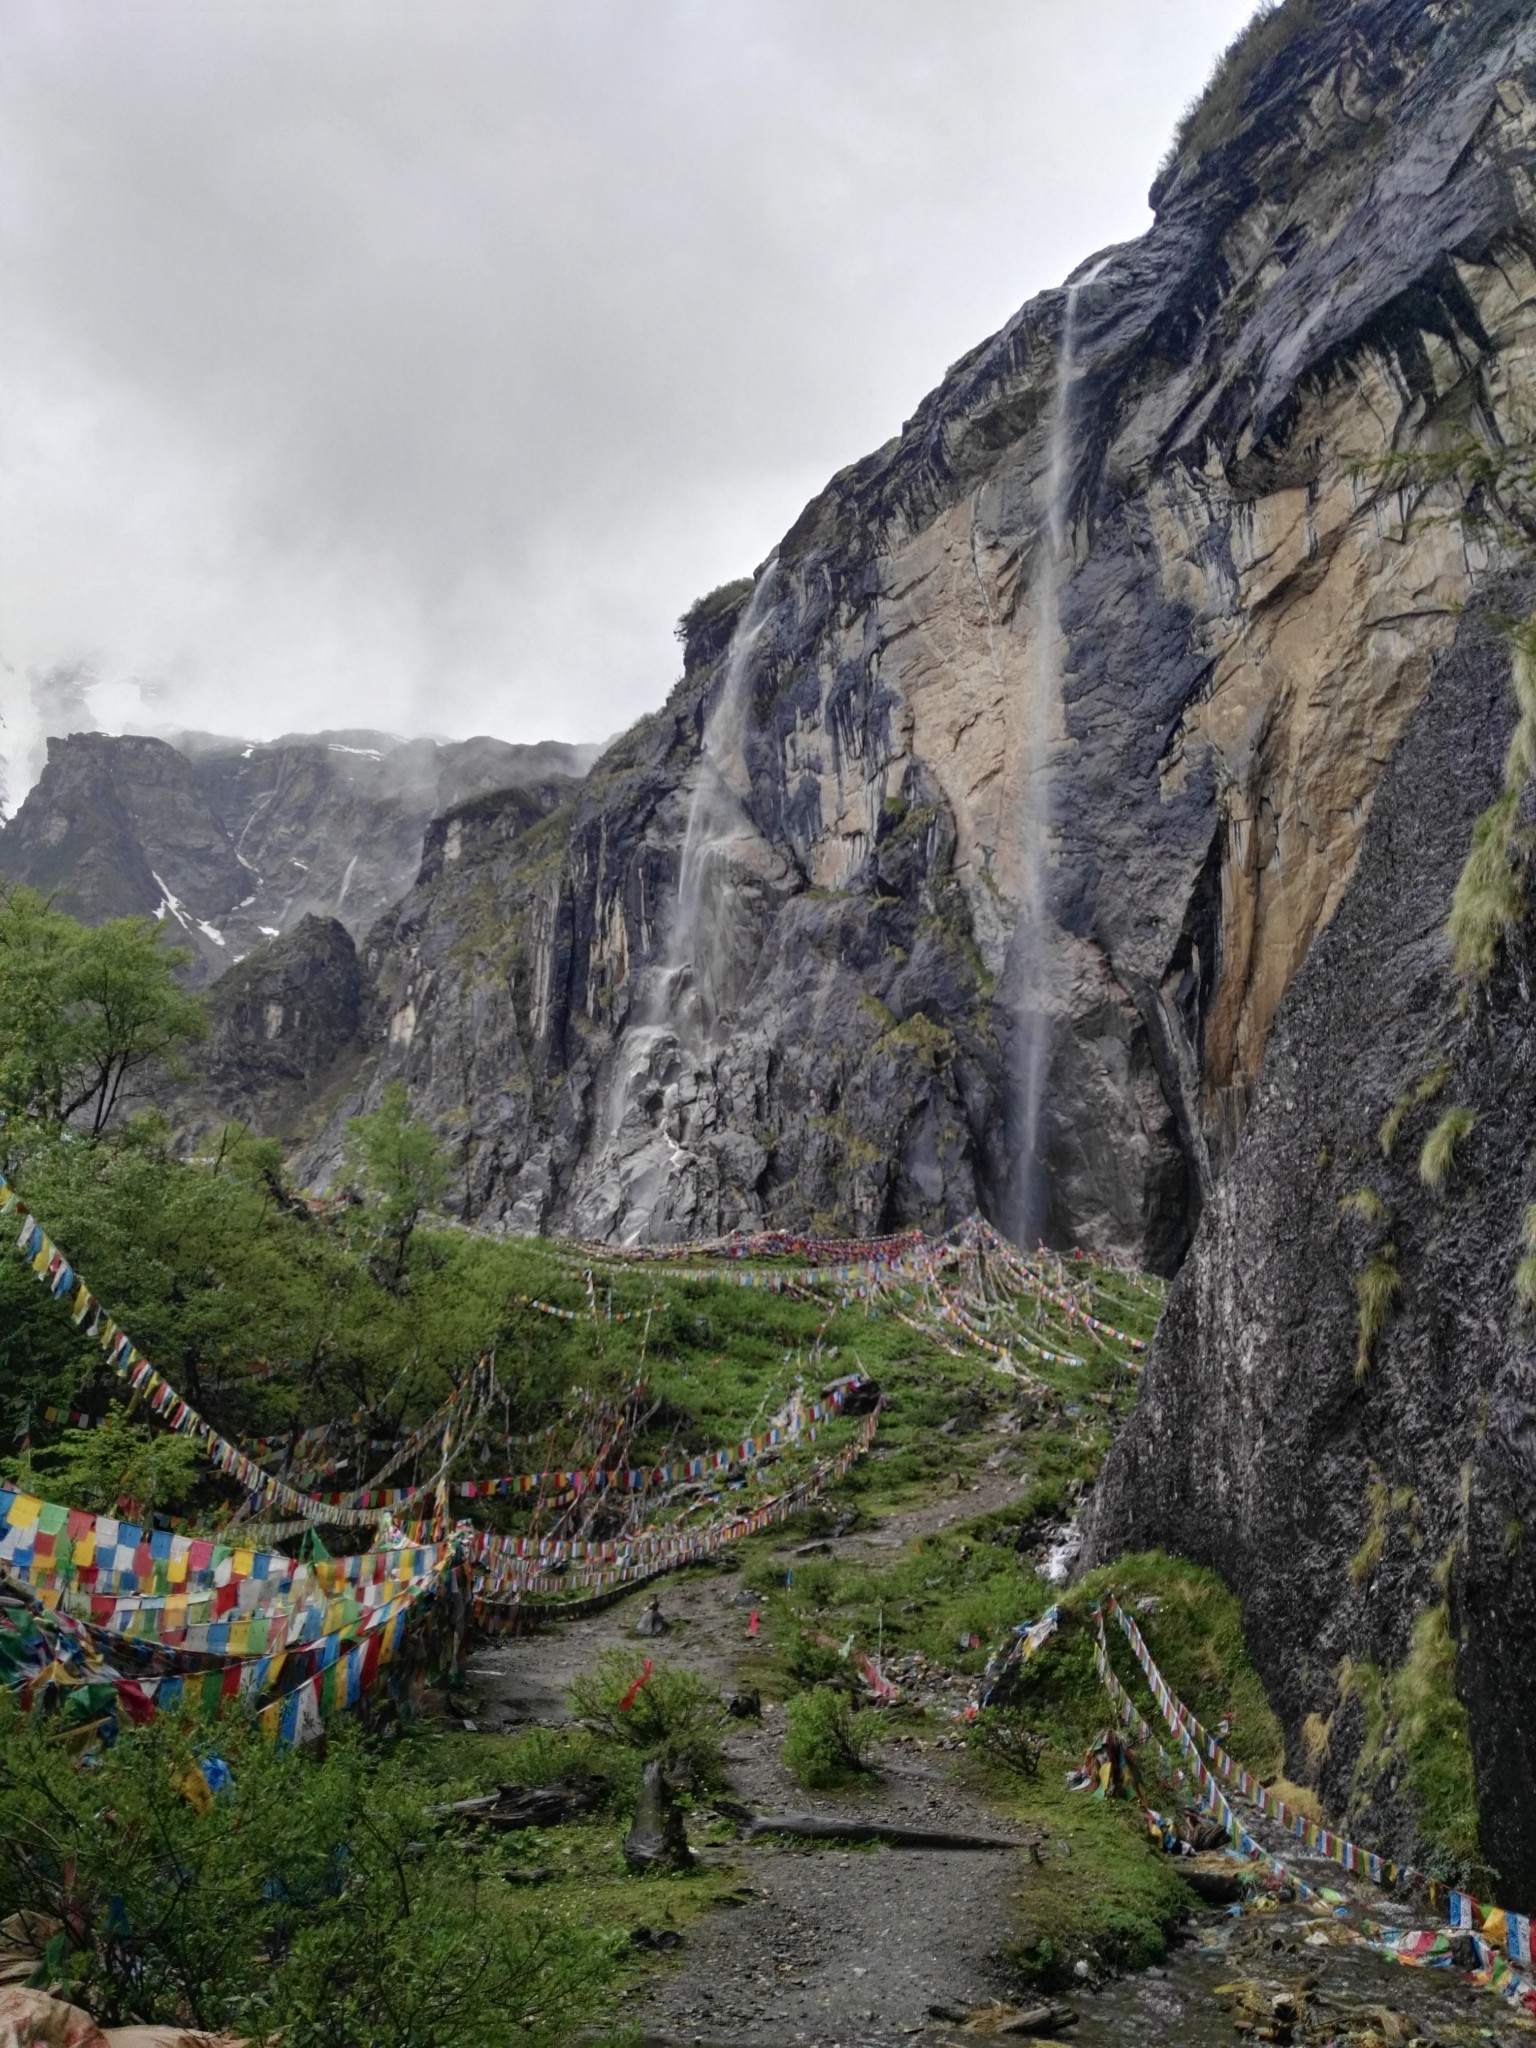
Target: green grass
x,y
1382,1503
591,1898
1195,1636
1525,1269
1366,1204
1376,1288
1416,1732
1439,1153
1101,1893
1424,1090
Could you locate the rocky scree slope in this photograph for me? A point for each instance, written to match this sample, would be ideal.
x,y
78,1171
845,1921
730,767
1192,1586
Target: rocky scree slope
x,y
235,843
1339,1412
1341,267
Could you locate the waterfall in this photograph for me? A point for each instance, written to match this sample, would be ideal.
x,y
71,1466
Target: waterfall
x,y
1031,955
346,883
677,1025
700,975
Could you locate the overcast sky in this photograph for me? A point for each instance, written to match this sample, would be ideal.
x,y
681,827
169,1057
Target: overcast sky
x,y
414,365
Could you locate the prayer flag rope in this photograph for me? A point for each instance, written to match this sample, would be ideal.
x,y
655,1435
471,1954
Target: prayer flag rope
x,y
502,1584
1487,1924
55,1272
41,1647
112,1559
622,1479
765,1244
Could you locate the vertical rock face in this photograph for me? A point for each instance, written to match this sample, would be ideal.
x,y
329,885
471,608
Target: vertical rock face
x,y
1353,1499
233,844
284,1025
1246,619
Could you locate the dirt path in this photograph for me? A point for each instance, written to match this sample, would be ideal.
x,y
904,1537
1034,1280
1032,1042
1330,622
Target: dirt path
x,y
827,1948
826,1945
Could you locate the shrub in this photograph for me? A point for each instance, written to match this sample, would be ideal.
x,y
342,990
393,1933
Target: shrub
x,y
1439,1153
815,1584
808,1662
314,1897
1218,114
674,1715
715,604
827,1742
1001,1735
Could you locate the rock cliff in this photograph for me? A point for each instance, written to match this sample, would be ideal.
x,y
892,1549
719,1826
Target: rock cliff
x,y
235,843
1124,629
284,1031
1339,1412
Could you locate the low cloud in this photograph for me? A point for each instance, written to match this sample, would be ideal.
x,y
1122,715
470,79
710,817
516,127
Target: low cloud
x,y
377,364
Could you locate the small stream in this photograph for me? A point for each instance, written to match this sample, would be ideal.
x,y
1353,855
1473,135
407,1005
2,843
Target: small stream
x,y
1343,1992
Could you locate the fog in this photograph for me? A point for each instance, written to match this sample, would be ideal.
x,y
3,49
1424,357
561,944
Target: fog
x,y
414,367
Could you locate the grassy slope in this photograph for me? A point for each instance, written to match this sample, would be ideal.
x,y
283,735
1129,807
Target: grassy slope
x,y
718,1360
1100,1889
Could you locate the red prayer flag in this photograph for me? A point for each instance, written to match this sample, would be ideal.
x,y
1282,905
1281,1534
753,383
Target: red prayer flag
x,y
630,1697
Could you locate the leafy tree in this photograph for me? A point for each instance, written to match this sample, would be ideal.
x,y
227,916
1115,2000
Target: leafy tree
x,y
120,1460
84,1011
400,1168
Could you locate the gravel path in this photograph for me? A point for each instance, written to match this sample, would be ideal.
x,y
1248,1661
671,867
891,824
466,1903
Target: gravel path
x,y
824,1945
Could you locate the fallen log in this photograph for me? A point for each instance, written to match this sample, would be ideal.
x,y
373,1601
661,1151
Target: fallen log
x,y
808,1827
529,1806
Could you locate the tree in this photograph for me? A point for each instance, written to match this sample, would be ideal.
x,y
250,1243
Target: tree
x,y
84,1011
397,1164
118,1461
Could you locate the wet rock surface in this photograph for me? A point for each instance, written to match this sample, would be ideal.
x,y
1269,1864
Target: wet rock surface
x,y
1347,1507
284,1026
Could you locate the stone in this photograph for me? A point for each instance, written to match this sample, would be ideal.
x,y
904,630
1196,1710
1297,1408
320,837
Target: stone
x,y
652,1621
657,1839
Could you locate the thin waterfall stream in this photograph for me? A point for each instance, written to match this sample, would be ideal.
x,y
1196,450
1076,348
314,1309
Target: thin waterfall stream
x,y
708,949
698,976
1032,950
